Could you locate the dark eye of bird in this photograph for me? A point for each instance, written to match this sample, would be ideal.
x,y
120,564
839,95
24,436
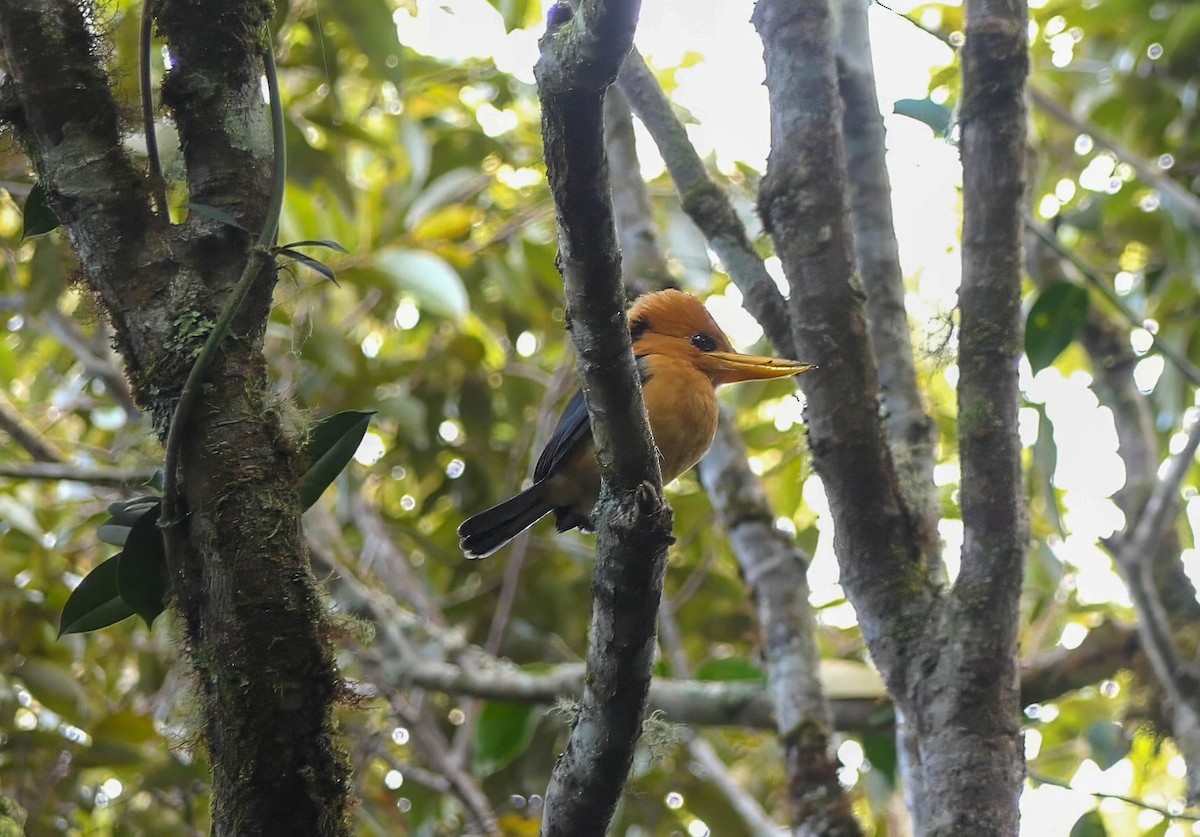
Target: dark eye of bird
x,y
704,343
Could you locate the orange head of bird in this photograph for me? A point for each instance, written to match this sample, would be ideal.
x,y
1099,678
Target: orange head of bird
x,y
677,325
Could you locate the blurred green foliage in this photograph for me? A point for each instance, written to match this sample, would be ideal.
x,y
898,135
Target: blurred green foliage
x,y
448,322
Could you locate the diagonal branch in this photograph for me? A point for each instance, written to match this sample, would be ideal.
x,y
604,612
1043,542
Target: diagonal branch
x,y
581,54
803,204
1180,679
707,205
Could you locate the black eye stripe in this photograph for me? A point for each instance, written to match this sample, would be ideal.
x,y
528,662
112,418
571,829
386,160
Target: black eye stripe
x,y
704,343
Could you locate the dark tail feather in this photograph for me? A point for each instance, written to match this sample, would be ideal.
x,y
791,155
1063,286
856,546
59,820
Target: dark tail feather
x,y
489,530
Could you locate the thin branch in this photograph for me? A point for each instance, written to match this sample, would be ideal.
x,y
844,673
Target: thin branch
x,y
707,204
1172,193
67,332
431,744
775,572
643,263
26,435
96,475
1051,240
581,54
1179,679
910,429
1128,800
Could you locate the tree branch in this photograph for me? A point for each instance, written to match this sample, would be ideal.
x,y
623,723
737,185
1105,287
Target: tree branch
x,y
581,54
1173,193
971,743
1180,680
774,571
96,475
803,204
910,430
643,263
707,205
27,436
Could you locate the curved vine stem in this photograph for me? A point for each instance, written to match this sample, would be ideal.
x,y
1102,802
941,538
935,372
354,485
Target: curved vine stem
x,y
158,183
259,255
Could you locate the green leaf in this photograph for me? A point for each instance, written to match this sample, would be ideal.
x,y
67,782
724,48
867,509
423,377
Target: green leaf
x,y
1090,824
142,573
330,447
96,602
309,262
729,668
1108,742
123,515
1053,321
39,218
514,12
428,277
315,242
880,750
216,214
937,117
503,732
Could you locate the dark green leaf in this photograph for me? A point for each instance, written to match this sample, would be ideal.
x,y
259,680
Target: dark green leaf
x,y
503,732
216,214
309,262
730,668
124,514
142,574
155,481
1108,742
96,602
39,218
880,750
330,447
937,117
315,242
1090,824
1054,320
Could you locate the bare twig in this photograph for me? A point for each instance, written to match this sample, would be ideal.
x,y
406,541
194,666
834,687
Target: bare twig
x,y
27,436
1173,193
96,475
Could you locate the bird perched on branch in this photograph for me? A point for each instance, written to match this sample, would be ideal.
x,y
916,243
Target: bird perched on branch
x,y
683,356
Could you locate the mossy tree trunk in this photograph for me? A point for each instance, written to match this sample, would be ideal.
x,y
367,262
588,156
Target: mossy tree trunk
x,y
253,623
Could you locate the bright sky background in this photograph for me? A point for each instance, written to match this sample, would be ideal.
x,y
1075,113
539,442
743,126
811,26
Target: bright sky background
x,y
724,92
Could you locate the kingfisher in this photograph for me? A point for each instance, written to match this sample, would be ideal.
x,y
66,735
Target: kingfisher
x,y
682,357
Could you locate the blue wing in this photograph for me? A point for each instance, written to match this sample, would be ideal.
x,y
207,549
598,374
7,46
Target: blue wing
x,y
573,426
